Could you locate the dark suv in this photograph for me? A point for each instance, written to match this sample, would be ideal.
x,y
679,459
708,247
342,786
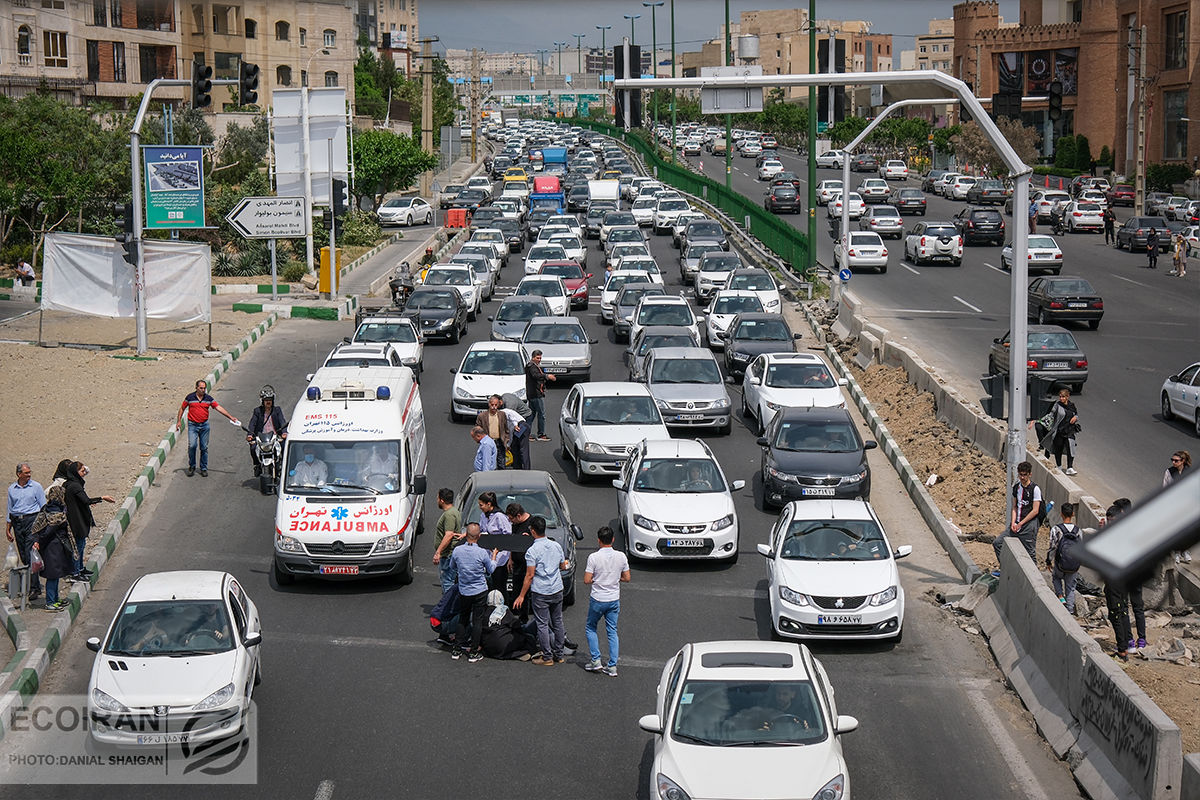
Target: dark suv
x,y
980,225
782,199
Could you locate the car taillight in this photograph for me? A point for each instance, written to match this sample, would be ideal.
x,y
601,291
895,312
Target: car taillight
x,y
1031,364
1097,304
1001,221
1029,256
885,252
1080,363
1057,304
874,222
922,241
852,251
1076,214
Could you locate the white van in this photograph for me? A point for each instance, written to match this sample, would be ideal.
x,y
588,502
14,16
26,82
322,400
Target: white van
x,y
351,501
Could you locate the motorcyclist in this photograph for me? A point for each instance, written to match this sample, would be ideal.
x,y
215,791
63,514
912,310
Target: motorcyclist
x,y
427,260
265,419
401,284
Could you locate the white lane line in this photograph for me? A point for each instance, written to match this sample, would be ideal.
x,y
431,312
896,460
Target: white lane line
x,y
998,269
324,791
1131,280
1008,748
910,269
976,309
915,311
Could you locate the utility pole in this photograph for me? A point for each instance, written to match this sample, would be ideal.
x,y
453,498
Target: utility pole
x,y
579,52
673,125
603,53
1139,186
728,117
427,109
558,46
653,6
832,70
811,265
476,87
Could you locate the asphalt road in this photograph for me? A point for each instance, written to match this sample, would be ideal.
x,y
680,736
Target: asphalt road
x,y
355,699
1151,329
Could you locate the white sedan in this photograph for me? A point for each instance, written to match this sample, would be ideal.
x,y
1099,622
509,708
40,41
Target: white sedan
x,y
550,287
673,502
640,262
178,663
1079,216
769,169
788,380
405,211
866,250
830,159
603,422
1181,396
541,253
894,171
826,191
831,573
1043,254
572,246
747,719
486,369
857,207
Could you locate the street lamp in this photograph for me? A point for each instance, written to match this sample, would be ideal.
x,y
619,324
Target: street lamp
x,y
558,46
579,52
673,123
542,60
603,53
631,18
307,64
654,54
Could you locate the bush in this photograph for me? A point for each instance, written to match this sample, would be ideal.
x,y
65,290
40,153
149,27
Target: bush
x,y
1083,154
1163,177
1064,152
223,265
13,253
1106,157
293,271
359,230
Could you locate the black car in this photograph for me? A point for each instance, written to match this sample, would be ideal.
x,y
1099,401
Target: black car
x,y
499,165
787,177
512,233
470,199
1052,354
980,225
440,313
577,198
1133,233
864,162
906,200
704,230
483,217
782,199
987,191
536,492
813,453
931,176
537,218
752,334
1065,297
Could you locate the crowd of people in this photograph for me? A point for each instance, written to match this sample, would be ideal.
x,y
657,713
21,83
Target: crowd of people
x,y
503,431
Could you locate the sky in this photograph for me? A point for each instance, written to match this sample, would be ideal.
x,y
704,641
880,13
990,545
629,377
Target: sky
x,y
526,25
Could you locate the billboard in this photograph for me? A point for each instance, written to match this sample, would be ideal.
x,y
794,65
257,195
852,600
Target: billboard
x,y
174,186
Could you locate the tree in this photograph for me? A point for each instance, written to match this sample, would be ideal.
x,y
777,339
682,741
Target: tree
x,y
241,151
974,148
387,162
445,103
1083,154
842,133
374,79
944,139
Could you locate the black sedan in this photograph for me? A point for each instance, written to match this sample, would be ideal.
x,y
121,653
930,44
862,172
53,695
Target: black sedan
x,y
439,312
787,177
1052,354
908,200
864,162
536,492
1065,298
752,334
987,191
470,199
782,199
1133,233
810,452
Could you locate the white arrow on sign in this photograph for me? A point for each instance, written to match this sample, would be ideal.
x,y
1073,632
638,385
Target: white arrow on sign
x,y
269,217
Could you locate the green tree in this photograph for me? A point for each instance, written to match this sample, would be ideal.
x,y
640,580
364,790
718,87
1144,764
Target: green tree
x,y
1064,152
974,148
1083,154
387,162
445,103
944,138
842,133
374,79
241,151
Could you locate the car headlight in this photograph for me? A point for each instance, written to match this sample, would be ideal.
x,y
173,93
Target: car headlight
x,y
886,596
217,699
783,476
446,323
774,406
722,403
795,598
855,478
723,523
581,290
288,544
581,362
832,790
463,393
106,702
410,361
669,789
389,544
592,447
642,522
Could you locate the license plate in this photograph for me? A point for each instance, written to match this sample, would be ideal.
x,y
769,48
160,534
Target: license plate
x,y
1042,255
819,491
162,738
1056,365
1076,305
685,543
554,370
683,417
839,619
338,569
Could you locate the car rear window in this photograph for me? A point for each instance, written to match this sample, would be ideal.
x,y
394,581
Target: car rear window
x,y
941,230
989,216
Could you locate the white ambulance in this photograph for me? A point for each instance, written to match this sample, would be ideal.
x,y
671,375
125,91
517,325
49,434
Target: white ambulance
x,y
351,500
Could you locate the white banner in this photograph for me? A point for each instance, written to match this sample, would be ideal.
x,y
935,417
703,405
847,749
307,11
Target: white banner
x,y
89,275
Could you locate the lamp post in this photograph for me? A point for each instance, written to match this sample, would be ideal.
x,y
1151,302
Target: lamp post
x,y
558,46
631,18
307,152
542,51
673,75
579,52
811,266
728,117
654,54
603,53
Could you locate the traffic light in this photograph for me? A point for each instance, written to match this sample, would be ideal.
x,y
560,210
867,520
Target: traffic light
x,y
125,237
341,197
247,84
201,85
1006,104
993,404
1055,100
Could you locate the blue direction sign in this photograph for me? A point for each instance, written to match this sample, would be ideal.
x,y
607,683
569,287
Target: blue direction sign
x,y
844,274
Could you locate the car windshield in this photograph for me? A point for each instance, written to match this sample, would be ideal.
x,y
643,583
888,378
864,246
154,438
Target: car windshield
x,y
911,193
341,467
519,312
1070,286
632,295
618,281
685,370
678,475
753,283
448,277
833,540
673,205
864,238
385,332
705,230
171,628
666,314
564,241
619,218
614,410
625,235
546,253
713,258
786,190
358,361
433,300
635,262
535,501
1051,340
628,249
555,333
786,375
493,362
645,202
736,304
833,436
397,202
664,340
1042,242
563,269
745,713
1091,207
763,330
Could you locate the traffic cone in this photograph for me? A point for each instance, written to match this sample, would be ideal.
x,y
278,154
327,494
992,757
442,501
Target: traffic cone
x,y
1060,183
1047,181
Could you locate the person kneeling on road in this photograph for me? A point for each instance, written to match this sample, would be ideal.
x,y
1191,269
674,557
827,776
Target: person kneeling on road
x,y
503,635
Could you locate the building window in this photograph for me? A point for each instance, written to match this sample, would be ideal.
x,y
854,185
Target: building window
x,y
777,53
118,62
1175,43
115,13
54,4
225,65
54,48
1175,127
251,29
93,60
282,31
922,48
283,75
24,43
304,37
331,78
330,39
99,13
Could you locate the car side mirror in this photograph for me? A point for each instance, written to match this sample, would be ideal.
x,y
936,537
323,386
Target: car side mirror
x,y
419,484
618,484
569,420
762,441
252,640
93,644
652,724
797,336
845,724
577,532
589,275
593,341
309,377
738,485
491,319
453,370
870,444
765,551
902,551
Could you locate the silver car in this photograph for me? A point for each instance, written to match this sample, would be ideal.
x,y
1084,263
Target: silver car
x,y
687,385
513,316
566,348
689,259
884,220
626,304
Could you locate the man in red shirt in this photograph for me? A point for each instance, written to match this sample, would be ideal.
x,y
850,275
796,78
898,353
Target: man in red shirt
x,y
197,405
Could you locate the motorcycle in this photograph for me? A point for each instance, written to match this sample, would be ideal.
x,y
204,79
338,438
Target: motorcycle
x,y
401,285
268,447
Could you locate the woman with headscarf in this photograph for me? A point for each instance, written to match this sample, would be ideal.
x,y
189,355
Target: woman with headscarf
x,y
79,511
52,539
503,636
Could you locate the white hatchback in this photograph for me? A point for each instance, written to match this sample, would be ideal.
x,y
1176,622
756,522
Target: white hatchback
x,y
831,573
724,306
550,287
486,369
788,380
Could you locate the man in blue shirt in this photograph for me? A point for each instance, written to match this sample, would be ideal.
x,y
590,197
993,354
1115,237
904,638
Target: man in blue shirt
x,y
25,499
485,455
474,565
543,580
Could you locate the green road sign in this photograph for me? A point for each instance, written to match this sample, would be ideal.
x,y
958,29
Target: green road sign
x,y
566,98
589,98
822,127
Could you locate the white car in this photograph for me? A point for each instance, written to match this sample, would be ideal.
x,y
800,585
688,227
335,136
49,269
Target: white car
x,y
788,380
957,190
405,211
681,222
1079,215
486,369
673,501
623,250
462,278
1048,201
603,422
495,254
1191,235
866,249
831,573
541,253
178,663
857,207
667,211
400,332
1094,196
664,310
769,169
747,719
483,183
572,246
643,210
548,231
614,283
933,241
724,306
640,262
751,149
1043,254
569,220
826,190
566,348
830,159
1181,396
894,171
713,271
550,287
762,284
940,183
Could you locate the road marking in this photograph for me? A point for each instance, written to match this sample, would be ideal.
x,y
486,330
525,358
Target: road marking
x,y
1131,280
998,269
968,305
1008,748
915,311
324,791
910,269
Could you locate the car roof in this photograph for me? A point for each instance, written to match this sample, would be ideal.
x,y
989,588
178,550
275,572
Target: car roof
x,y
496,480
821,508
664,299
761,315
676,448
687,353
749,661
495,346
551,319
613,388
815,413
178,585
800,358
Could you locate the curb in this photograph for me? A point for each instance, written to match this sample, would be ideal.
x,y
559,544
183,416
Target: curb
x,y
286,288
343,310
30,665
942,529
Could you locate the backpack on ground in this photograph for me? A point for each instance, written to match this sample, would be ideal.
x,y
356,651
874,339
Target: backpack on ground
x,y
1065,557
445,608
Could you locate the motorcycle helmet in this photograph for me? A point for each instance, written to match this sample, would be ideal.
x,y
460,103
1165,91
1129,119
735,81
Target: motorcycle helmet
x,y
267,393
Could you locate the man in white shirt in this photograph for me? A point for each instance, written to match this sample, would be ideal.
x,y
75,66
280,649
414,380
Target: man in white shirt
x,y
380,461
311,471
606,570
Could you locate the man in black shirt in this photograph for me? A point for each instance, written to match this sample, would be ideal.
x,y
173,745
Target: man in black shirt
x,y
535,391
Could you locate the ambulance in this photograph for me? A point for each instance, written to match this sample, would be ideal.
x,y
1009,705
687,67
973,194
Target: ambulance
x,y
351,499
